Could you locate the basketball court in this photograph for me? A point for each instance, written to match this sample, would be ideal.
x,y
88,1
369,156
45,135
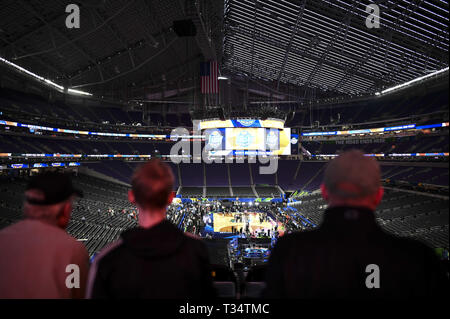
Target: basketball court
x,y
223,223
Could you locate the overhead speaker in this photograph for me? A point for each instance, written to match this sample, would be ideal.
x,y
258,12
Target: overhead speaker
x,y
185,28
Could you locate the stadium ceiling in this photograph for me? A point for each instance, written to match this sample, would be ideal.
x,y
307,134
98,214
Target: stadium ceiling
x,y
122,48
128,49
326,44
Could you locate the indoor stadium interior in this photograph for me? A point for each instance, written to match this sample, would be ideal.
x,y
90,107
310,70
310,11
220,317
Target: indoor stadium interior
x,y
246,101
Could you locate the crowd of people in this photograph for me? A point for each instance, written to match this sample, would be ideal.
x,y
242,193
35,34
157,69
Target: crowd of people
x,y
188,215
193,216
343,258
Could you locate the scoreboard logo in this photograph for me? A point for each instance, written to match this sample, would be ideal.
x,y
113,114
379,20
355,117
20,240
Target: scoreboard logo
x,y
272,140
246,123
215,139
244,139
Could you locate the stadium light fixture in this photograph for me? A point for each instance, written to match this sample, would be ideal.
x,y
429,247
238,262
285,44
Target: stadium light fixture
x,y
73,91
42,79
400,86
54,84
35,76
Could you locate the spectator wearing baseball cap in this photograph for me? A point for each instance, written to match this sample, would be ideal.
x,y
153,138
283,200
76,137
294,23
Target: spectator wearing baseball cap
x,y
349,255
38,259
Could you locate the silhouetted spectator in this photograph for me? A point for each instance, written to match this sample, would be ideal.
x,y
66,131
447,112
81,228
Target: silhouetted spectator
x,y
155,260
35,252
342,257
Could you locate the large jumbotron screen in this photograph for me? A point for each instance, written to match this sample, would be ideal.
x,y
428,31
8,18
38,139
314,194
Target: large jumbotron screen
x,y
247,137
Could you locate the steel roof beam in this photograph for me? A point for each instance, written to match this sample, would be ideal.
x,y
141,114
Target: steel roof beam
x,y
116,35
252,51
288,48
269,73
377,59
130,70
265,38
203,40
82,51
39,60
400,35
344,22
33,31
368,54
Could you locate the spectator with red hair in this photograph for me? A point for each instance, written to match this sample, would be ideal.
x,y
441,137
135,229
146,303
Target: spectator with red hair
x,y
156,259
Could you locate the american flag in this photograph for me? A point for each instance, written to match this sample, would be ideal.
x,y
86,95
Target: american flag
x,y
209,73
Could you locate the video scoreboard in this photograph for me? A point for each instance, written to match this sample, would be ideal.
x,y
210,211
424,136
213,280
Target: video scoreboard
x,y
248,137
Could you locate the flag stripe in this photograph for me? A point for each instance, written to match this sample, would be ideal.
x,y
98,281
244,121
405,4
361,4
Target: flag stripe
x,y
209,72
